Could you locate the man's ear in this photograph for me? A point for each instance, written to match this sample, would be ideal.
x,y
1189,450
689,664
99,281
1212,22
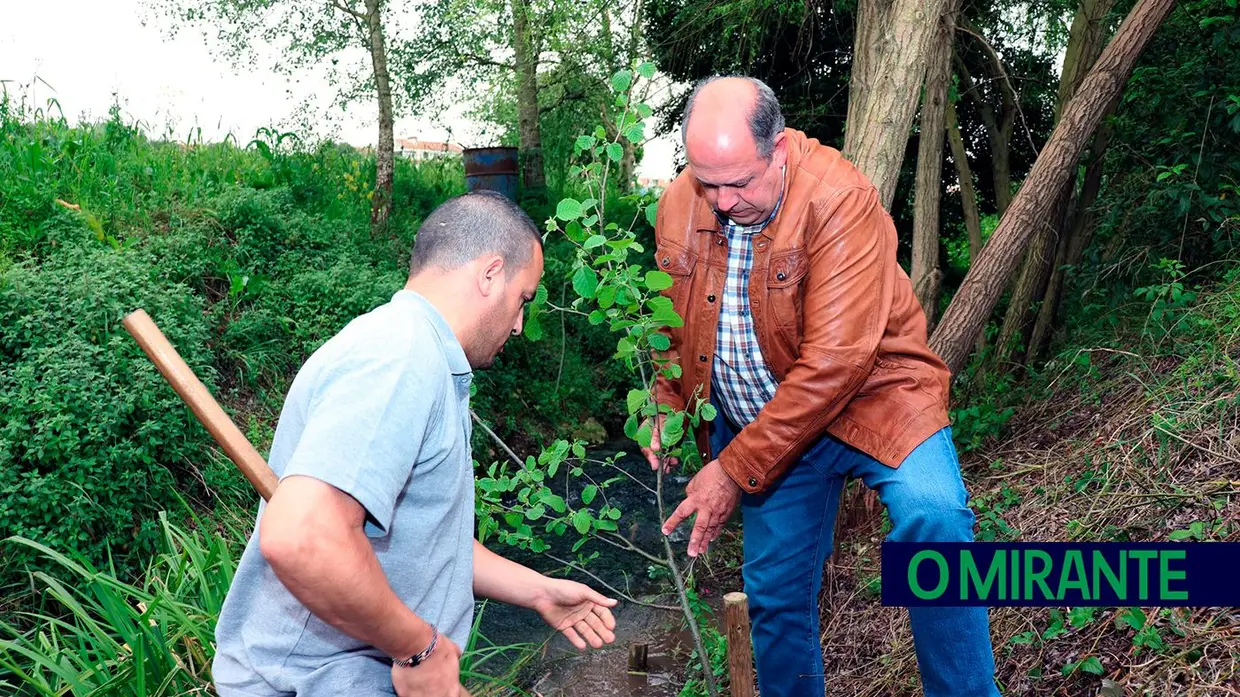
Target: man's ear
x,y
779,153
490,275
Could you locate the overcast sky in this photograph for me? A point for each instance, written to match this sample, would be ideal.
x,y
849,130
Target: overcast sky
x,y
87,51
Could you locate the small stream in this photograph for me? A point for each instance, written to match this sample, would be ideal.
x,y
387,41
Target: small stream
x,y
559,671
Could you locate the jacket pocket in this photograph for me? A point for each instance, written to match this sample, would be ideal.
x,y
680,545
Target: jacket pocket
x,y
678,263
785,290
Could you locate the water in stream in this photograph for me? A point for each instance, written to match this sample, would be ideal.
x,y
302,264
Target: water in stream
x,y
559,670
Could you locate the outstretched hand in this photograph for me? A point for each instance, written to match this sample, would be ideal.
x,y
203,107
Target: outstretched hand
x,y
652,453
578,612
712,495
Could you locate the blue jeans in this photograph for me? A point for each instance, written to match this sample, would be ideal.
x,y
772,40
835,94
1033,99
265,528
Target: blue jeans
x,y
788,536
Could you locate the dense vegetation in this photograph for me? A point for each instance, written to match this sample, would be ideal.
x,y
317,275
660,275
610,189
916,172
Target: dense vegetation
x,y
1117,421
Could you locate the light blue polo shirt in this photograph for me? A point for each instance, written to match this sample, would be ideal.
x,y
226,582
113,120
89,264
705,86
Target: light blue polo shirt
x,y
381,412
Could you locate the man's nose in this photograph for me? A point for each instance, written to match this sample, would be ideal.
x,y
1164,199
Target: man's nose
x,y
516,331
727,199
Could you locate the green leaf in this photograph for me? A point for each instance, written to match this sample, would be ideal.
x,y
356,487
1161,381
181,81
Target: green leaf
x,y
577,545
536,512
1092,665
636,400
579,450
660,342
614,514
652,214
606,296
622,81
708,412
605,525
1180,534
673,430
644,111
658,280
533,327
635,133
595,241
584,143
1133,617
555,502
643,435
585,282
568,209
646,70
582,520
597,317
615,151
588,494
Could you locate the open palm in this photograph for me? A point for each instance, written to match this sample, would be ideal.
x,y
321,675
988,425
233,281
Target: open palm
x,y
575,610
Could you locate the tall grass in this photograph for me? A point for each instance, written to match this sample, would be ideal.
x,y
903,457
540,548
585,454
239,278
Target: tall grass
x,y
97,635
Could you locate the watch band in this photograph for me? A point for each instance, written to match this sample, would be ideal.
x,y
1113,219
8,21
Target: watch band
x,y
418,658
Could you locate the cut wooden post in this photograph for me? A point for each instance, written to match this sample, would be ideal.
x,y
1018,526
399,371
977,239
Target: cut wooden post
x,y
740,650
639,658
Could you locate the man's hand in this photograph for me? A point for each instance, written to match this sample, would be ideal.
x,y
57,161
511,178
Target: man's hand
x,y
712,495
576,611
438,676
652,453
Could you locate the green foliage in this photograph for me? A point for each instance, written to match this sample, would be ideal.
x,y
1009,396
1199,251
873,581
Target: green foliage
x,y
248,259
99,634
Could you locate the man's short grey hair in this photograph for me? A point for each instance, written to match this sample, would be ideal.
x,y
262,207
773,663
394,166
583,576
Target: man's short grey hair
x,y
766,121
473,225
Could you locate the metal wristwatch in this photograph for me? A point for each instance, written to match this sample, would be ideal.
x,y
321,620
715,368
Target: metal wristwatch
x,y
418,658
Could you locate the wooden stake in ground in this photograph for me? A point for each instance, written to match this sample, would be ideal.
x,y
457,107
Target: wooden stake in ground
x,y
198,397
740,650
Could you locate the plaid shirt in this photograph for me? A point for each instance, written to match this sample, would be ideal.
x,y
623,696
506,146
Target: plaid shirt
x,y
740,376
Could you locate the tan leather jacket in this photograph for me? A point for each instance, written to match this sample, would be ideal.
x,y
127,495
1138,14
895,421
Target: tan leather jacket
x,y
835,316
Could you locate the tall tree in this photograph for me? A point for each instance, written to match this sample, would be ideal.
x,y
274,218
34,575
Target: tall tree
x,y
892,41
926,276
1085,41
1057,162
303,36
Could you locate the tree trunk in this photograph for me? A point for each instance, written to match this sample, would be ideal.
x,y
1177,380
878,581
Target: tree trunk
x,y
968,195
998,133
889,63
381,204
1073,243
529,133
1084,45
1031,283
929,187
1057,162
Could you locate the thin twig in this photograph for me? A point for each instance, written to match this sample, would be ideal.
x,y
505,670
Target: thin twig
x,y
994,57
608,586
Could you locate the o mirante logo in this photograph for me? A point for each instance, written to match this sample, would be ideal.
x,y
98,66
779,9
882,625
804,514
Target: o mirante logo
x,y
1061,573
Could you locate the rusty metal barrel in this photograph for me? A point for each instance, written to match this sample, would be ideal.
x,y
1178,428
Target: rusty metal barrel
x,y
492,169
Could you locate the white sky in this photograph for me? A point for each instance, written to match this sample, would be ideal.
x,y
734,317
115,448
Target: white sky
x,y
86,51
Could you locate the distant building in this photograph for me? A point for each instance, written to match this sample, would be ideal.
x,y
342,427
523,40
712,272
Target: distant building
x,y
651,183
419,150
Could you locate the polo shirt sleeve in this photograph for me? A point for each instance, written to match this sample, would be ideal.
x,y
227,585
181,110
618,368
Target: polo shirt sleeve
x,y
367,421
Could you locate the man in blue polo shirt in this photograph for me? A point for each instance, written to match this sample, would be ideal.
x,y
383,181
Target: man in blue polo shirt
x,y
361,573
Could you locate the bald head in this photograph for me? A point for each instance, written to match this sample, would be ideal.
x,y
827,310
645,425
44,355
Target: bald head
x,y
734,116
734,139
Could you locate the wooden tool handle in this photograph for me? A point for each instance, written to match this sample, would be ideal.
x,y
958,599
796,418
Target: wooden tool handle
x,y
209,413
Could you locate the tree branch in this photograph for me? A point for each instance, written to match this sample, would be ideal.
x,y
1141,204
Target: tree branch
x,y
1009,90
608,586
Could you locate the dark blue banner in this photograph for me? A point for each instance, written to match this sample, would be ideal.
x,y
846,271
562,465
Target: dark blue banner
x,y
1101,574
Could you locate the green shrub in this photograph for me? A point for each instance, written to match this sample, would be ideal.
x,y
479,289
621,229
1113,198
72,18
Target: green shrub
x,y
94,442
